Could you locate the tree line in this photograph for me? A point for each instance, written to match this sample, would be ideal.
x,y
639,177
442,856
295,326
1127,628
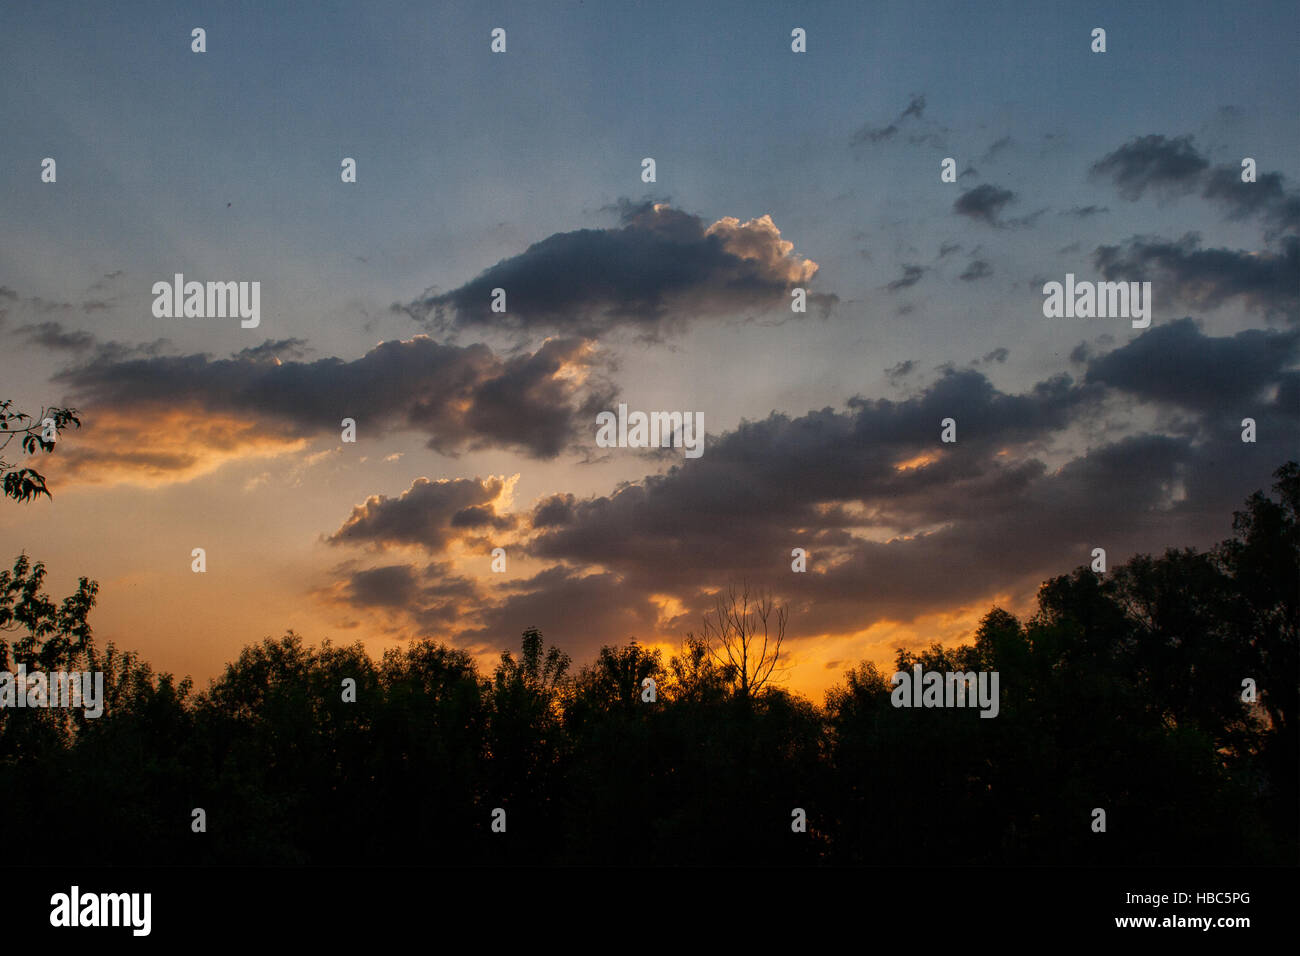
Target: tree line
x,y
1123,691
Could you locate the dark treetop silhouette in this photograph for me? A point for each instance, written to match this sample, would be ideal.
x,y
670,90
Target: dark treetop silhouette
x,y
1124,692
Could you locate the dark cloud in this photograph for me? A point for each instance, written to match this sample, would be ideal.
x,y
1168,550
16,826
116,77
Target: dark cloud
x,y
1177,364
769,477
275,349
1266,198
997,147
431,515
38,306
1085,350
948,248
553,511
900,371
1168,166
1183,272
426,600
878,134
874,134
108,352
57,337
50,333
391,586
998,355
978,269
660,270
578,610
984,203
1083,212
896,523
459,397
53,336
1287,401
1173,167
910,277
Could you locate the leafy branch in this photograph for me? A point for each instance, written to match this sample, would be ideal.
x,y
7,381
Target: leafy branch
x,y
24,484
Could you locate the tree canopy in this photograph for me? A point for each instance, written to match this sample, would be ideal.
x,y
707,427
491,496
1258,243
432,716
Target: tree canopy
x,y
1125,691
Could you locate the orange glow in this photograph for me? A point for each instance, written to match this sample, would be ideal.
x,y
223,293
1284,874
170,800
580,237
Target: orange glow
x,y
920,461
151,448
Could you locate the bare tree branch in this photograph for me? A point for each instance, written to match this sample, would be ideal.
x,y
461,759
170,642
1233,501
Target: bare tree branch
x,y
745,639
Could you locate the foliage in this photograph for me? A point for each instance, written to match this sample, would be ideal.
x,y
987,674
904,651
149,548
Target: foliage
x,y
1122,691
24,484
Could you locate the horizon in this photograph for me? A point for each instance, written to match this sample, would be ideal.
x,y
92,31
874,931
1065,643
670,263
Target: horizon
x,y
478,417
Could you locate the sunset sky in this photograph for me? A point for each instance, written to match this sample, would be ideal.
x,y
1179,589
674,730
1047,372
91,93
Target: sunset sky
x,y
522,170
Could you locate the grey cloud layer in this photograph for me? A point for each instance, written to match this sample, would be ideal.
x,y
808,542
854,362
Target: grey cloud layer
x,y
1173,167
429,514
460,397
1177,364
910,277
1265,280
978,269
898,524
659,270
1152,162
984,203
878,134
1205,278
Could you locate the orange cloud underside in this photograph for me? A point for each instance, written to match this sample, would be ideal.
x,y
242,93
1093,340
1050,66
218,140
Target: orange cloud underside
x,y
149,447
920,461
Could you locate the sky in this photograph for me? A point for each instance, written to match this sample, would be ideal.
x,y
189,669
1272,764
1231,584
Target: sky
x,y
522,170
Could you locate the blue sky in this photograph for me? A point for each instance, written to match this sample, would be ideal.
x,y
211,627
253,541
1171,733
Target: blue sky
x,y
225,165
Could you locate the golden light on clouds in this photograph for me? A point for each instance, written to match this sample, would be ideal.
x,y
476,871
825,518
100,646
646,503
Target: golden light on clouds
x,y
153,448
760,240
575,370
669,609
922,460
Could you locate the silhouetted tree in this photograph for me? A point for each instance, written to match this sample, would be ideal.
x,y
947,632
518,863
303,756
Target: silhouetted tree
x,y
693,675
615,679
428,740
1262,561
1122,691
23,484
525,742
619,776
53,635
744,633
